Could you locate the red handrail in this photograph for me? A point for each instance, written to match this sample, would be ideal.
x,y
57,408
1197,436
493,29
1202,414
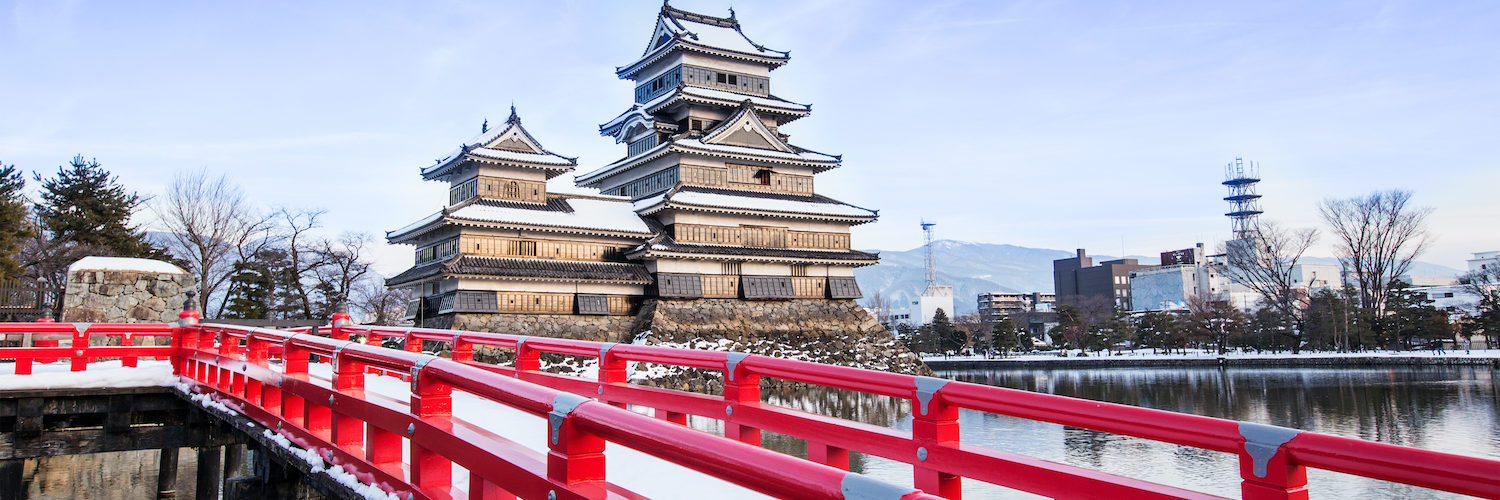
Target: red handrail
x,y
365,434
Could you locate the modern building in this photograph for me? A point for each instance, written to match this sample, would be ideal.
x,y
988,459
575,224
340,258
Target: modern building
x,y
1076,279
996,305
710,200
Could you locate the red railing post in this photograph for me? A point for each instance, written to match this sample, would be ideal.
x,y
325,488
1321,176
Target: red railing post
x,y
23,364
80,346
348,379
431,401
612,370
39,343
338,321
463,350
126,342
257,355
527,359
828,455
740,386
411,344
1267,470
573,456
294,366
208,373
934,423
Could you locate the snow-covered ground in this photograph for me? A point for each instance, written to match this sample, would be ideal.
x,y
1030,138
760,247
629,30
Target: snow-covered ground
x,y
1073,355
100,374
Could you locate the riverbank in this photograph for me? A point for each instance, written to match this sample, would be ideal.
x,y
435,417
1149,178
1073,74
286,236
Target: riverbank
x,y
1133,359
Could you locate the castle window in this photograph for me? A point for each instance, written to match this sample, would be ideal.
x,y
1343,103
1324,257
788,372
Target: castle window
x,y
512,190
764,176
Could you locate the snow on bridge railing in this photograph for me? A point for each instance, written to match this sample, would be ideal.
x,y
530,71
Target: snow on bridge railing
x,y
366,435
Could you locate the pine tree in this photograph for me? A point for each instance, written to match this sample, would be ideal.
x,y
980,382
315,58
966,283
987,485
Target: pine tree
x,y
87,205
15,221
250,291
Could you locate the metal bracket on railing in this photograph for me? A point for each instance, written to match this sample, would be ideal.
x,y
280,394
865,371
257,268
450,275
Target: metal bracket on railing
x,y
416,369
563,404
731,360
927,387
334,358
604,348
857,486
1262,441
82,327
521,341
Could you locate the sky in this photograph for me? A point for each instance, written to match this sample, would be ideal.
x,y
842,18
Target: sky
x,y
1099,125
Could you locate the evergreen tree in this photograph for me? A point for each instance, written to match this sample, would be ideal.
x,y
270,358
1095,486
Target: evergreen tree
x,y
87,205
1004,337
15,221
1412,316
250,292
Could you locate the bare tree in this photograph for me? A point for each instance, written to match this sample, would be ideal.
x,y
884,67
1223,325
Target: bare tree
x,y
1214,320
1379,236
296,234
379,304
46,259
340,266
207,220
1265,263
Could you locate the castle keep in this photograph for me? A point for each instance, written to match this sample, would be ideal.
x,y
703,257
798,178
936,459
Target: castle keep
x,y
709,226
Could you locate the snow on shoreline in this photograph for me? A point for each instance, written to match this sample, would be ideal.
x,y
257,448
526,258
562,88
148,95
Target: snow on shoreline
x,y
1147,354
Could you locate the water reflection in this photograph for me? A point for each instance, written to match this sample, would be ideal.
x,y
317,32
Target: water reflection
x,y
1450,409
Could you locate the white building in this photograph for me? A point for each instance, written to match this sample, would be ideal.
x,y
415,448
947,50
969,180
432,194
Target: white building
x,y
933,298
1484,261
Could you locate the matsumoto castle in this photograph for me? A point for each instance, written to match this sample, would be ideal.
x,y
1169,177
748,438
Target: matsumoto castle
x,y
709,201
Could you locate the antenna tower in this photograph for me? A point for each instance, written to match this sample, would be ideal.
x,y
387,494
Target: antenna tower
x,y
931,260
1244,202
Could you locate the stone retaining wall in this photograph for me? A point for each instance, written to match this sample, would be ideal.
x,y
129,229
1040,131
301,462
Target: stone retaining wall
x,y
563,326
124,296
836,332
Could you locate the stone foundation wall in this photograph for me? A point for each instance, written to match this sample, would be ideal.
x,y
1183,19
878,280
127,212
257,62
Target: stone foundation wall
x,y
566,326
837,332
124,296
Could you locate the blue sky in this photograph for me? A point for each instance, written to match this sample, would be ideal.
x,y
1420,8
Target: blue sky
x,y
1102,125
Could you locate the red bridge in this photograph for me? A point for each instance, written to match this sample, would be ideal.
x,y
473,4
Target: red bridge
x,y
408,447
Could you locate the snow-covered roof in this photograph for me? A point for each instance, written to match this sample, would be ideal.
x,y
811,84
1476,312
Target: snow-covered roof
x,y
96,263
511,144
407,229
799,156
680,29
768,103
804,157
579,213
766,203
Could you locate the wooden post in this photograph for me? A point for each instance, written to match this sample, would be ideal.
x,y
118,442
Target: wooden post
x,y
210,467
11,478
166,474
234,460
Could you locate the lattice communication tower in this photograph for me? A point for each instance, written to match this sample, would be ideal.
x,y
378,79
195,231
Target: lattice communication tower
x,y
931,260
1244,202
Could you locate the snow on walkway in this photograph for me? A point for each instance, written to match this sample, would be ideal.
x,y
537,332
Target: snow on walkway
x,y
100,374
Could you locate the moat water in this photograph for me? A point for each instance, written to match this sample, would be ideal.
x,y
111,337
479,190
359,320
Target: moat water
x,y
1448,409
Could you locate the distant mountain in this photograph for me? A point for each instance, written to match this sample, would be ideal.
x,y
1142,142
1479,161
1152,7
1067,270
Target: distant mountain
x,y
970,268
975,268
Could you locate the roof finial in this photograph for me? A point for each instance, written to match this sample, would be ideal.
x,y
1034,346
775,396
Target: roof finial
x,y
514,119
484,127
731,13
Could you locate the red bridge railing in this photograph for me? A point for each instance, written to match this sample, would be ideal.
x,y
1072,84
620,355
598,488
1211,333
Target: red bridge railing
x,y
367,435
